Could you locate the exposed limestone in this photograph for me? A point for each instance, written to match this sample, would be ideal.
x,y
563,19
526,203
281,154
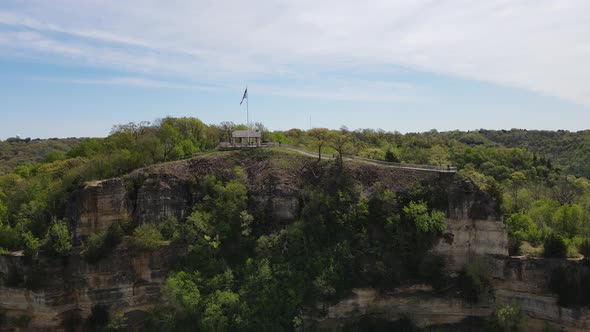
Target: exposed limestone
x,y
97,206
521,280
132,281
421,305
125,281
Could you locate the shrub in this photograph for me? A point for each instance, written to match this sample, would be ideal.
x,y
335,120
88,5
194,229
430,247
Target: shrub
x,y
58,238
147,237
554,247
117,323
31,244
95,248
114,235
170,229
510,317
9,237
101,244
425,222
514,246
475,282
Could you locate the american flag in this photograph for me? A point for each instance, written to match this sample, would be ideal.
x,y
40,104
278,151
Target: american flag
x,y
245,96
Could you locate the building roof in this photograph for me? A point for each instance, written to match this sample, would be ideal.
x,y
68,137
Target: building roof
x,y
246,134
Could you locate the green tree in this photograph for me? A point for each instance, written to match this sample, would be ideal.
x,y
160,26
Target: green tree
x,y
169,136
58,239
475,281
147,237
3,213
439,156
391,156
425,222
372,153
567,220
182,288
554,247
319,137
522,227
31,243
340,142
221,312
510,318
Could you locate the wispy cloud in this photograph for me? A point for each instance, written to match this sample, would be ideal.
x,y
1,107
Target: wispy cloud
x,y
126,81
540,45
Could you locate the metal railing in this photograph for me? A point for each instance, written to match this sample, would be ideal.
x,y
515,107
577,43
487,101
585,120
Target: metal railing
x,y
442,169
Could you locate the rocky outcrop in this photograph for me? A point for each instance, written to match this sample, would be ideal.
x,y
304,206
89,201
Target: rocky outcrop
x,y
131,281
524,281
97,206
418,303
474,226
126,281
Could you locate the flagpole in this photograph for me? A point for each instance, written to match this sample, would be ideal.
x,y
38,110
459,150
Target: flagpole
x,y
247,115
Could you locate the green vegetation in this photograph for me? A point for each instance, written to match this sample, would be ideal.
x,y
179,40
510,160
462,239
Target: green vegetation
x,y
100,244
147,237
510,318
242,268
34,194
534,176
58,240
240,271
554,247
15,151
475,281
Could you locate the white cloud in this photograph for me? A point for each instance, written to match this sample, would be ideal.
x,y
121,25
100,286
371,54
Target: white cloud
x,y
127,81
539,45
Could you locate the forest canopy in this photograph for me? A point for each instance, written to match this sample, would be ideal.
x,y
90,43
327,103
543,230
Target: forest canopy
x,y
342,239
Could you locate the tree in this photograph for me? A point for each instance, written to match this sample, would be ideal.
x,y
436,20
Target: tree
x,y
372,153
516,181
319,137
221,311
227,127
147,237
3,214
31,244
510,318
567,220
391,156
169,136
58,238
522,227
439,156
425,222
554,247
565,190
475,281
182,289
340,142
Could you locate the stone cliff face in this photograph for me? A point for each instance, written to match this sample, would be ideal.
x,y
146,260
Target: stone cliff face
x,y
62,291
474,226
98,205
57,293
518,280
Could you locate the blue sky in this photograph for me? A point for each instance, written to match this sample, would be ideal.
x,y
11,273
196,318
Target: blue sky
x,y
75,68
